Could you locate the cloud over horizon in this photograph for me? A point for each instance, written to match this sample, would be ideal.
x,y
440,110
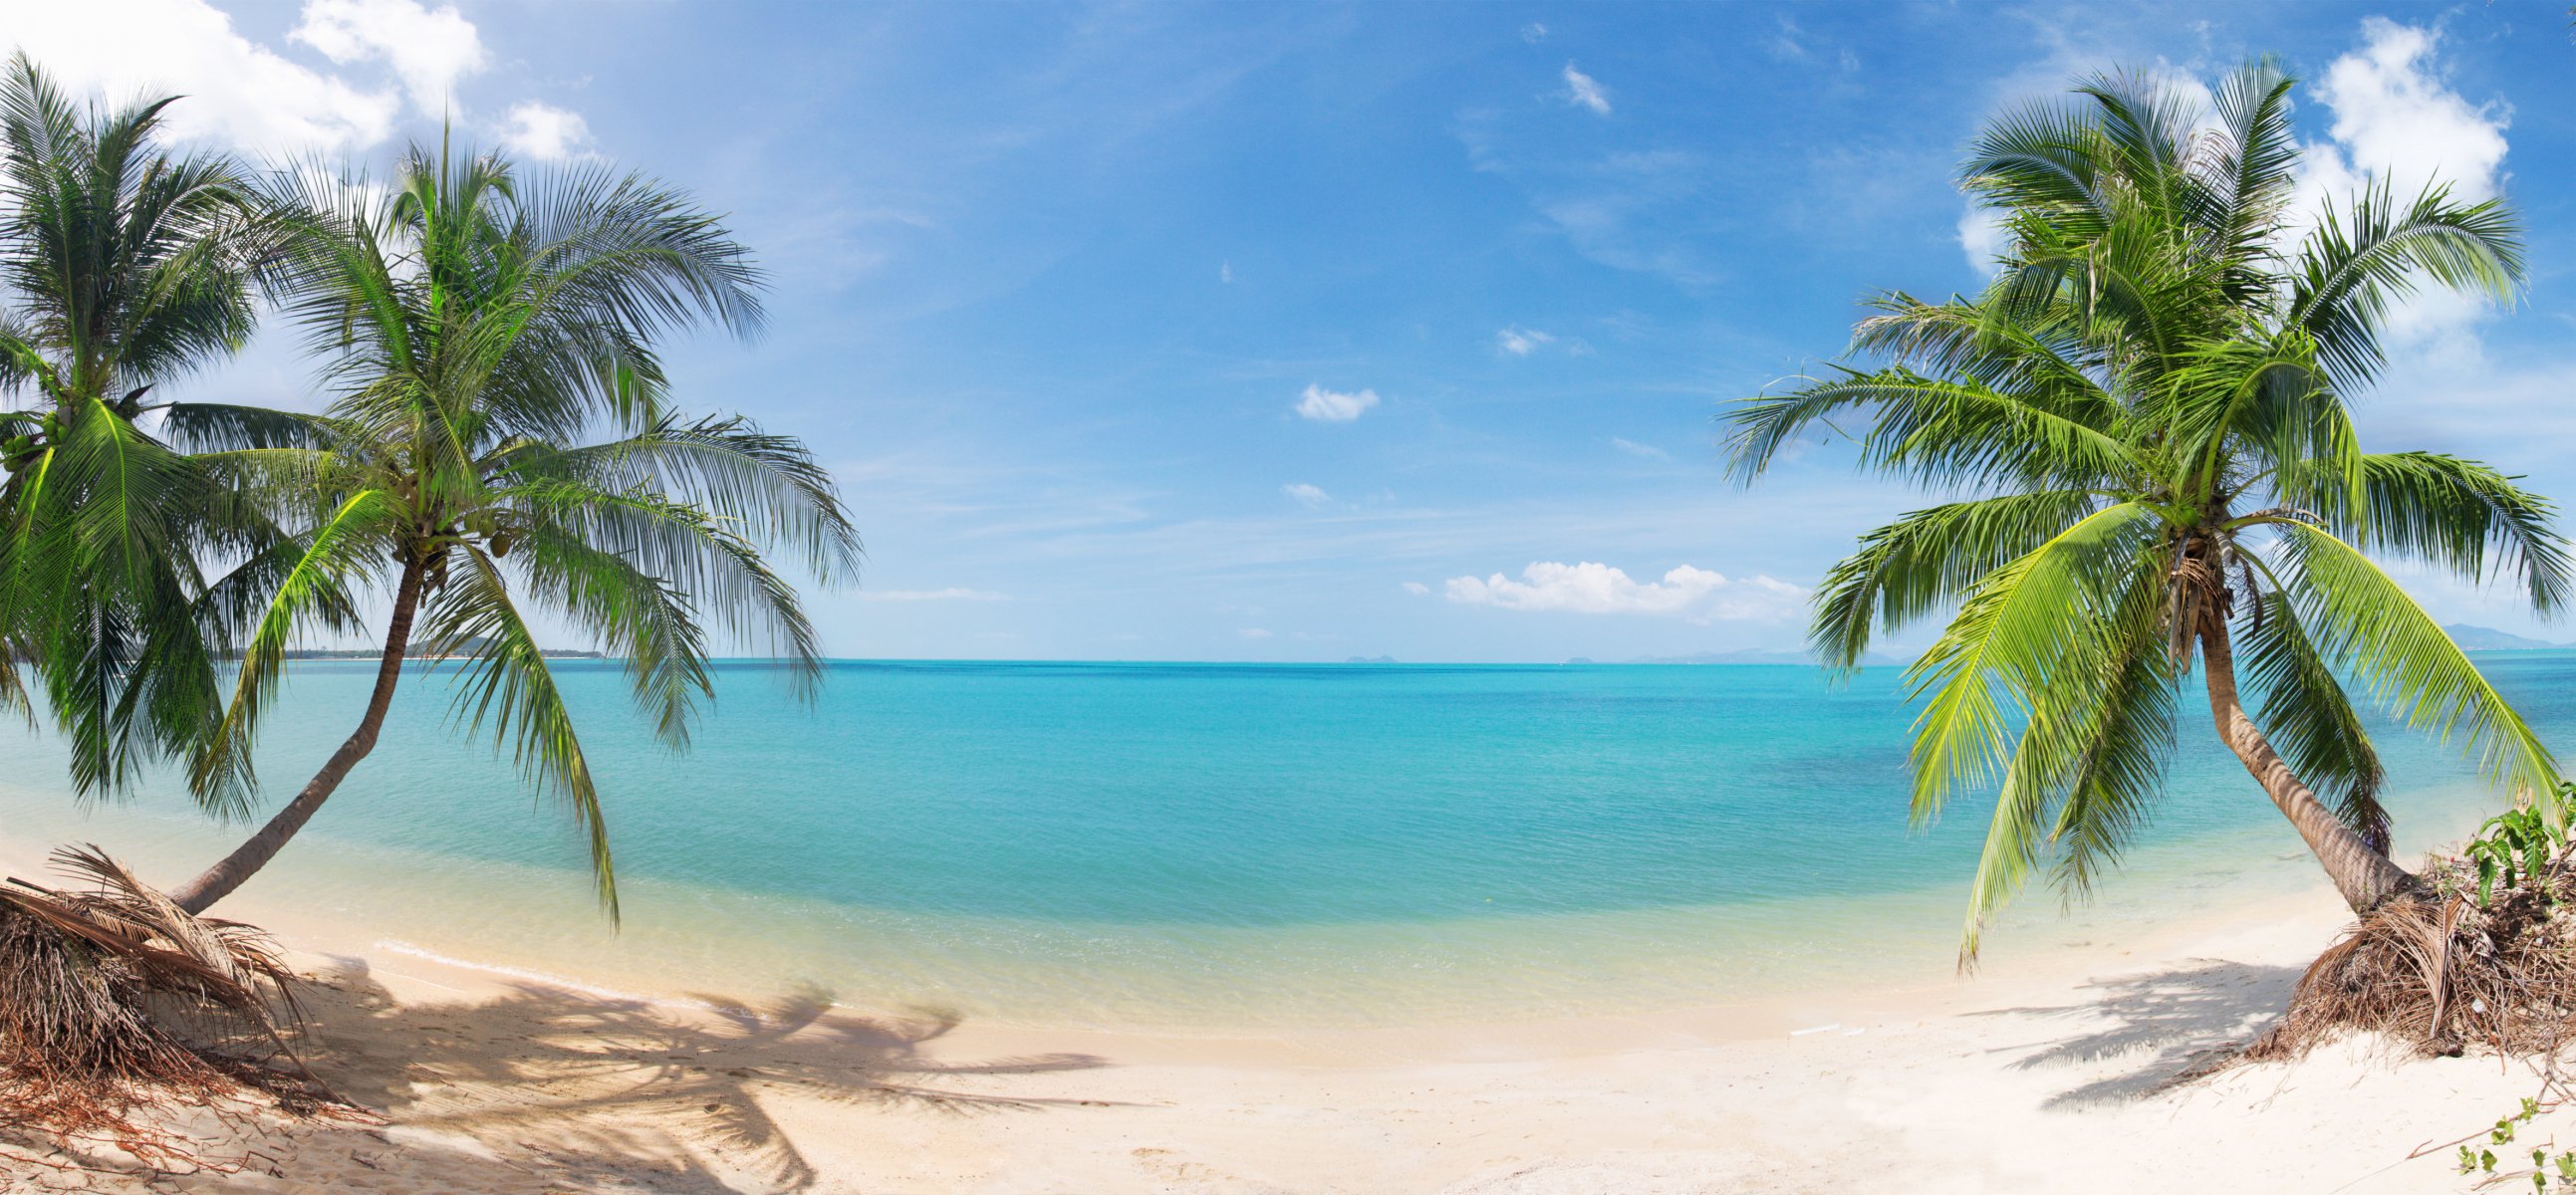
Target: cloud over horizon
x,y
1594,588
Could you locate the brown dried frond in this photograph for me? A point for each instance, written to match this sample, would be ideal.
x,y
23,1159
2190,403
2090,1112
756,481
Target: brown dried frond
x,y
114,998
2440,971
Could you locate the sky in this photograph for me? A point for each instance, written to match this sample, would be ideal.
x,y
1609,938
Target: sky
x,y
1306,332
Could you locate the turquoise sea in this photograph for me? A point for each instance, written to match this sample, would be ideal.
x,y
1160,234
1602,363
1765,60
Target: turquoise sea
x,y
1216,844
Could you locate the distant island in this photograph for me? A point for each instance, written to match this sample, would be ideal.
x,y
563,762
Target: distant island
x,y
1753,656
467,647
1370,660
2489,639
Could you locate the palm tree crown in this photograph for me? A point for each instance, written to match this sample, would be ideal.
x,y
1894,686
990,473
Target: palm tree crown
x,y
480,329
2145,416
122,268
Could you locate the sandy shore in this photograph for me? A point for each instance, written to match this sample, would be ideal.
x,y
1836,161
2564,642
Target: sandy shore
x,y
2060,1076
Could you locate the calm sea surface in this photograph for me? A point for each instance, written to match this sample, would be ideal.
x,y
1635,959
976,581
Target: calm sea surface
x,y
1217,844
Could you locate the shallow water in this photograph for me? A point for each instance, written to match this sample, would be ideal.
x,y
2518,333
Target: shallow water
x,y
1219,845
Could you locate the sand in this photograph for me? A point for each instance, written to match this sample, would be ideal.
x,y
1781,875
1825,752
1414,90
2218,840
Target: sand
x,y
2067,1074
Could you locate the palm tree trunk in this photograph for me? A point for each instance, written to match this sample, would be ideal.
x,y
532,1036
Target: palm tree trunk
x,y
2364,876
218,882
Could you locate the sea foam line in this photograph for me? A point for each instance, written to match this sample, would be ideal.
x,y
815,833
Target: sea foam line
x,y
393,946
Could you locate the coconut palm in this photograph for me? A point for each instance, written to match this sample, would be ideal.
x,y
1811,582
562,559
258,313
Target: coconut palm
x,y
122,269
2144,421
477,326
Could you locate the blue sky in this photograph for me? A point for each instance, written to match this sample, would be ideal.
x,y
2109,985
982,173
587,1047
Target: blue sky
x,y
1304,332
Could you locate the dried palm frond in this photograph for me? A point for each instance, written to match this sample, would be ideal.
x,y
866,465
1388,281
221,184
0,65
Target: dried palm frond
x,y
2445,969
112,999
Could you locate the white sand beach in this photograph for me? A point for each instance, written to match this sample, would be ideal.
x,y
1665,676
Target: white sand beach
x,y
2069,1071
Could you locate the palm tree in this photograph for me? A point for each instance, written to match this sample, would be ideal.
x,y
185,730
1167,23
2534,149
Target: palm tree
x,y
2144,419
122,268
477,326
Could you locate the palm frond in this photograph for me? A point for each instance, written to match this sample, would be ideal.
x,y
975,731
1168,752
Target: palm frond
x,y
2405,662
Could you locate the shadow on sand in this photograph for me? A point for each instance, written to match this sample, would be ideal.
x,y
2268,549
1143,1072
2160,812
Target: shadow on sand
x,y
2155,1029
612,1090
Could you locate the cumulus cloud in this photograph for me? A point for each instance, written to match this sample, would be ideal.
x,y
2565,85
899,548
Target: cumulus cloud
x,y
1591,588
428,49
1534,33
2395,117
1333,406
545,132
1584,91
1417,589
2397,120
393,57
950,594
1311,495
238,91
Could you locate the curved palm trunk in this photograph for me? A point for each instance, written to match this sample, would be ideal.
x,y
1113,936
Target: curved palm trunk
x,y
2364,876
218,882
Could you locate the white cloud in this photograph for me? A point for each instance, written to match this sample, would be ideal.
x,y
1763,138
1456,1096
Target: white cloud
x,y
2395,117
2397,120
1520,341
1225,271
1417,589
428,49
1583,91
1590,588
545,132
1633,448
1983,236
1534,33
1254,633
950,594
1311,495
237,91
1333,406
397,56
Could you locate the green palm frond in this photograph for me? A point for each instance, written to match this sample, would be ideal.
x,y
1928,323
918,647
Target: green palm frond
x,y
2020,643
1927,559
2086,769
2368,254
314,590
2304,711
1934,430
2405,662
2467,518
505,685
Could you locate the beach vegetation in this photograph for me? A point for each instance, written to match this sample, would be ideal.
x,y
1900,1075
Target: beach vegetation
x,y
2143,429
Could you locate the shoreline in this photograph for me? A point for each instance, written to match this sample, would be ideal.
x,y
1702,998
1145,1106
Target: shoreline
x,y
407,912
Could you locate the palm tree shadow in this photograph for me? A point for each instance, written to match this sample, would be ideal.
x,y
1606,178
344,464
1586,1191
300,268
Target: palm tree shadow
x,y
596,1078
2162,1028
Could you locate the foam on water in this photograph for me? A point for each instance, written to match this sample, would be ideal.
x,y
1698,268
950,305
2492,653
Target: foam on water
x,y
1216,845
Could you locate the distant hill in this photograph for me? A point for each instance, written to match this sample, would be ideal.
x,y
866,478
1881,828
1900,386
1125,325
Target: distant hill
x,y
2489,639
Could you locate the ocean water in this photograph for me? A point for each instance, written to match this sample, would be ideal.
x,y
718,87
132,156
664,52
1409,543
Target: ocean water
x,y
1215,845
